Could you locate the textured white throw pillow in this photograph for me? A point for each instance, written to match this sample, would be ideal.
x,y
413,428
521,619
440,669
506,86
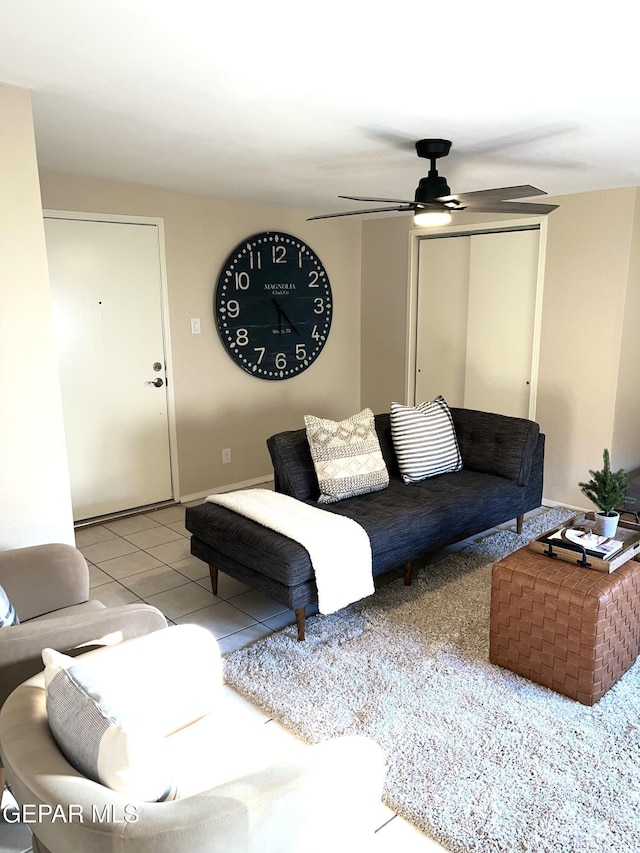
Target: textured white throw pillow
x,y
101,735
346,456
111,710
424,439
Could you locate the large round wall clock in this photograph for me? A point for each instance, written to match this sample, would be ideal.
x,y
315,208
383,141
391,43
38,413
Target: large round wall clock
x,y
273,305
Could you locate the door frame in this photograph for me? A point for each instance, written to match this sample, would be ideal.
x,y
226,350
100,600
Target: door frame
x,y
158,222
418,234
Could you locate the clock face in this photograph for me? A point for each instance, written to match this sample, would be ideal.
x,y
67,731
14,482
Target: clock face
x,y
273,305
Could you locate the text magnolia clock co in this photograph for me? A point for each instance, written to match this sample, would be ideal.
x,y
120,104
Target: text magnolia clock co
x,y
273,305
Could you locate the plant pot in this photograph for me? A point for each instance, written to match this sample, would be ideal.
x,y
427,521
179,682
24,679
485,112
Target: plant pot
x,y
606,525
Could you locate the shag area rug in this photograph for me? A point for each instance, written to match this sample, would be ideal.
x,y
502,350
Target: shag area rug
x,y
479,758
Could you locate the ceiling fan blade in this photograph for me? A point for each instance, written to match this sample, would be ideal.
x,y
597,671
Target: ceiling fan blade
x,y
507,207
382,200
497,194
356,212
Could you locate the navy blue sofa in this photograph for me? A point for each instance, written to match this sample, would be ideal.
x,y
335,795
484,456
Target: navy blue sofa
x,y
500,480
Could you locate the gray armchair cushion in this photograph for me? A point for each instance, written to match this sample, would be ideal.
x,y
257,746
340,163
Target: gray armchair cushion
x,y
44,578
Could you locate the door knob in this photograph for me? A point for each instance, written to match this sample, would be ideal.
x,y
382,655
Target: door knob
x,y
157,382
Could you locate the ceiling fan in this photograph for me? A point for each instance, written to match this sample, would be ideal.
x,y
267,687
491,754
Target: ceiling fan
x,y
433,203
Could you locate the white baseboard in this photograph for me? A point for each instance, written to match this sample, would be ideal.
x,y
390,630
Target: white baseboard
x,y
231,487
550,503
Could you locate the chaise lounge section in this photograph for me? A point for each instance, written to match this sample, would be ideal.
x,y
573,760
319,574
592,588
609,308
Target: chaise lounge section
x,y
501,479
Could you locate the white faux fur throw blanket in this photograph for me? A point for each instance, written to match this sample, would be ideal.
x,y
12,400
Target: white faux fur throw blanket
x,y
339,548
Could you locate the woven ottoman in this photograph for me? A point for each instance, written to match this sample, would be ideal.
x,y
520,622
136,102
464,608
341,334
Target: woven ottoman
x,y
572,629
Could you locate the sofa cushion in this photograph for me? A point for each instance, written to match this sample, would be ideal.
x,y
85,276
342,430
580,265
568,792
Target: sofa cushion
x,y
424,439
401,521
406,521
8,615
346,456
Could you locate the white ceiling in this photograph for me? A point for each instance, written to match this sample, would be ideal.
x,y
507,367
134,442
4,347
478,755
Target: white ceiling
x,y
291,103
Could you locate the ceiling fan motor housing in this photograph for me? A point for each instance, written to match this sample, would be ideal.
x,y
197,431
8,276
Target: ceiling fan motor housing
x,y
433,186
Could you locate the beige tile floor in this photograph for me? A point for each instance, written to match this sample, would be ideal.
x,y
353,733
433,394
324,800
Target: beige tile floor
x,y
146,557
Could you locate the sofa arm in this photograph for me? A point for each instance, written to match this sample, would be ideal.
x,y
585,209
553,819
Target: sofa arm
x,y
496,444
44,578
21,645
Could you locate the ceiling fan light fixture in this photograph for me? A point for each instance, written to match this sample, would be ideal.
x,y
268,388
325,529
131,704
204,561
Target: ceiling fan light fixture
x,y
431,218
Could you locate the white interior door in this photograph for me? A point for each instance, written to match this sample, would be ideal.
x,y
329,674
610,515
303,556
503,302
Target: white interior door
x,y
107,300
476,318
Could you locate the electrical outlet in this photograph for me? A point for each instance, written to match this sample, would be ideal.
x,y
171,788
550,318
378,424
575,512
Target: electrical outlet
x,y
226,455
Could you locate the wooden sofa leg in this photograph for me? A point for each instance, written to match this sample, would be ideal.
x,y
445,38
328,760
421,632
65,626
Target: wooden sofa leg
x,y
213,571
407,573
519,521
300,622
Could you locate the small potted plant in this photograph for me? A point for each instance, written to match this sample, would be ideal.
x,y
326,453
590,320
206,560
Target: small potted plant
x,y
607,489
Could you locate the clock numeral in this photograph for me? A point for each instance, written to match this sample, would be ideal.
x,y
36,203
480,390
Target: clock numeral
x,y
301,352
257,262
242,281
300,260
315,334
319,305
279,254
281,361
260,350
313,279
233,308
242,337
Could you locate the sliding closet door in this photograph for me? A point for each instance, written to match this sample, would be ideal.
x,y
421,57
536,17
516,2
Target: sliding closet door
x,y
441,341
475,320
503,272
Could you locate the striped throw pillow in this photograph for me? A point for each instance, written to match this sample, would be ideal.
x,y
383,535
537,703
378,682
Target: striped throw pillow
x,y
346,456
424,440
8,615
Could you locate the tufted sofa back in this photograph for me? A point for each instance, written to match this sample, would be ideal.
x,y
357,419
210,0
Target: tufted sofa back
x,y
494,444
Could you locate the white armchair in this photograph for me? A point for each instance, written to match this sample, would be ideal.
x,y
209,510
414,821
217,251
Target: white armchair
x,y
241,789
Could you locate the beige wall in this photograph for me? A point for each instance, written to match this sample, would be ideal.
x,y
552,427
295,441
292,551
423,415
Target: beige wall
x,y
586,275
217,404
625,446
385,270
35,504
589,352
